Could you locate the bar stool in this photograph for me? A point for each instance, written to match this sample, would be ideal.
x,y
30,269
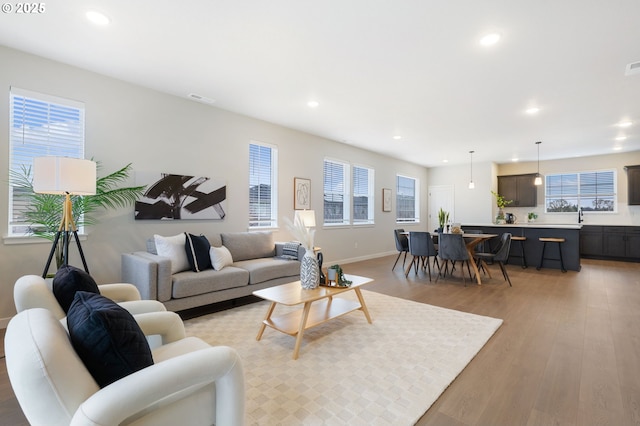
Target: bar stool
x,y
521,240
544,241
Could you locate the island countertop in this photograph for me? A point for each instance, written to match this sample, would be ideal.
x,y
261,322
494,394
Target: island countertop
x,y
527,225
532,246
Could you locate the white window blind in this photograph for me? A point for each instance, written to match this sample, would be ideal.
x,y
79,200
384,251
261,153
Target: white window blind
x,y
263,210
407,200
363,198
593,191
336,193
39,125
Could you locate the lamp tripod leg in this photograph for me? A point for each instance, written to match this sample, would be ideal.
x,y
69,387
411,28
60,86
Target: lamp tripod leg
x,y
67,225
84,262
51,253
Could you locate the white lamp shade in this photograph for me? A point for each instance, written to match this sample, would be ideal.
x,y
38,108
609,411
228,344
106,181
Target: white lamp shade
x,y
538,180
308,217
59,175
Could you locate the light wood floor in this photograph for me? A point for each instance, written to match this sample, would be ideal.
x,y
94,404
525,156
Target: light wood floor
x,y
568,352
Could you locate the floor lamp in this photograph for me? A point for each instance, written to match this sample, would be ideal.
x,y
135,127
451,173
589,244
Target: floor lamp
x,y
64,176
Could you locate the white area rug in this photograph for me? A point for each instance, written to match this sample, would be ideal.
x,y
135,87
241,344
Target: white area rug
x,y
350,372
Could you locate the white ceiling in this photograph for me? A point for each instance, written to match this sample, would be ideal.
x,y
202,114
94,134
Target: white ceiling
x,y
378,68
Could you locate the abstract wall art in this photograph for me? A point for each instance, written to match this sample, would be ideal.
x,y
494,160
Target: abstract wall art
x,y
301,194
174,197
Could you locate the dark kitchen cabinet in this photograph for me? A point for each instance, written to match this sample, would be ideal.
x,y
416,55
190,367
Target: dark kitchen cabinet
x,y
622,242
614,242
591,241
610,242
520,189
633,185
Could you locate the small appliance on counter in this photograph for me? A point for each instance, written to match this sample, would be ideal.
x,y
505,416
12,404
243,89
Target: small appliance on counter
x,y
510,218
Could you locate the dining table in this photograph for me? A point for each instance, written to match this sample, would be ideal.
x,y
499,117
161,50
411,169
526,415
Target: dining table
x,y
471,241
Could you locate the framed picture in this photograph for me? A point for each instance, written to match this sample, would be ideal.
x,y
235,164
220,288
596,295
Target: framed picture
x,y
301,194
386,199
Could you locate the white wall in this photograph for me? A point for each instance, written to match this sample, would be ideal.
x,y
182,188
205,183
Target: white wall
x,y
471,205
162,133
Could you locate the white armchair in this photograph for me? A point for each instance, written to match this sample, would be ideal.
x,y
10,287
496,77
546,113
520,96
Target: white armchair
x,y
190,382
32,291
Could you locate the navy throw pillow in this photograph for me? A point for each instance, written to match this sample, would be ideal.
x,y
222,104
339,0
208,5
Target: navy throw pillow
x,y
197,248
107,338
67,281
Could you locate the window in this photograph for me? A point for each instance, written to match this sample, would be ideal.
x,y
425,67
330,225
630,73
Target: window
x,y
336,193
263,212
40,125
407,199
592,191
363,195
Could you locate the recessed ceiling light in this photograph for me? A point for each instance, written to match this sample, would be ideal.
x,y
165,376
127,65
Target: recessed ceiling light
x,y
532,110
200,98
397,137
624,124
98,18
490,39
313,104
445,161
621,138
515,159
617,148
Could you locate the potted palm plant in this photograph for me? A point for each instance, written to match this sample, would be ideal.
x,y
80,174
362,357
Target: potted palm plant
x,y
44,211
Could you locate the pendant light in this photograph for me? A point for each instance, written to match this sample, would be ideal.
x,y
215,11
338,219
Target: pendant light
x,y
538,179
471,184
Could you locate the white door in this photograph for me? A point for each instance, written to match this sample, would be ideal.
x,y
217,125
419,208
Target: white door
x,y
440,196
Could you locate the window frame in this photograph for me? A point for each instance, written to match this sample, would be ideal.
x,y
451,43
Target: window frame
x,y
345,193
416,203
579,195
272,221
55,136
370,171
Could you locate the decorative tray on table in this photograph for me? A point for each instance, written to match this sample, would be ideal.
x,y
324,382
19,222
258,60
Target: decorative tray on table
x,y
335,278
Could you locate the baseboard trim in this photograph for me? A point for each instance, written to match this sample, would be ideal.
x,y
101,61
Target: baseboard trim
x,y
4,322
356,259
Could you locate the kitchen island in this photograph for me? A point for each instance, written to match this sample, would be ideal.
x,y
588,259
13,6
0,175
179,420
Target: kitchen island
x,y
533,247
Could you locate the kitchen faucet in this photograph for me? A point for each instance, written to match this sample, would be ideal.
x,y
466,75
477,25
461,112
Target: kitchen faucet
x,y
580,219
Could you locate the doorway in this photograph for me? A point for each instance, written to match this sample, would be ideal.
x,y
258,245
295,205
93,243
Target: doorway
x,y
440,196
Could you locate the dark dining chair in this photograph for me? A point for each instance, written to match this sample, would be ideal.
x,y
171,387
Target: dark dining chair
x,y
421,247
500,256
402,245
451,247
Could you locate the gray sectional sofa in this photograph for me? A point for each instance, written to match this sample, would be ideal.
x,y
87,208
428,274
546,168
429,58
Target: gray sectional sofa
x,y
258,262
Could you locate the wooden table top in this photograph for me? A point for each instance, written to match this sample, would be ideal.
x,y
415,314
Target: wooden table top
x,y
293,293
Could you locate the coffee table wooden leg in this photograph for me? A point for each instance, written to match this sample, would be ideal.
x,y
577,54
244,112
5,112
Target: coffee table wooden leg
x,y
303,323
363,306
267,317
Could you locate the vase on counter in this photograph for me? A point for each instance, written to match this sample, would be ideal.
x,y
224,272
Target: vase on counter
x,y
309,271
500,220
